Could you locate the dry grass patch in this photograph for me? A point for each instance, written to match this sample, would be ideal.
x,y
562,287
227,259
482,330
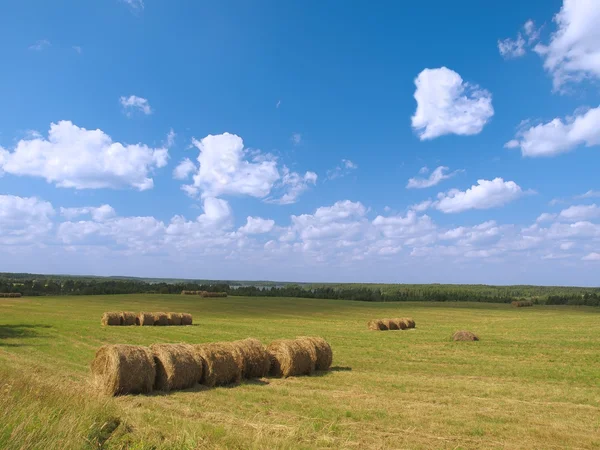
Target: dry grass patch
x,y
123,369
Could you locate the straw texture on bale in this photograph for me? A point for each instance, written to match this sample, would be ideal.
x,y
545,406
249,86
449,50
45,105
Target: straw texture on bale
x,y
290,358
322,350
123,369
111,318
128,318
219,366
464,335
161,319
252,358
145,319
174,318
178,366
377,324
186,319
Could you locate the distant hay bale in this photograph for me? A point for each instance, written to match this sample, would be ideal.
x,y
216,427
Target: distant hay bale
x,y
123,369
111,319
219,366
410,323
161,319
400,323
324,355
186,319
252,358
290,358
522,303
178,366
174,318
145,319
465,335
391,324
128,318
377,324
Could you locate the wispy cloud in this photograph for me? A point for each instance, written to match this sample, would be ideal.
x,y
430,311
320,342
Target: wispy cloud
x,y
78,49
278,104
296,138
40,45
134,102
342,169
437,176
136,5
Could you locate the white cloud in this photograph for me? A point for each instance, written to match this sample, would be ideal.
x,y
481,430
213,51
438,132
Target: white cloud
x,y
135,4
510,48
545,217
257,225
24,220
40,45
171,138
589,194
293,185
515,48
341,170
185,168
278,104
580,212
227,168
484,195
447,105
436,177
573,53
558,136
592,257
296,138
99,214
216,212
74,157
134,102
78,49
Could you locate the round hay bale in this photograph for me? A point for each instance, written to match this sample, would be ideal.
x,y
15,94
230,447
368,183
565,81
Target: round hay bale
x,y
324,355
252,358
178,366
145,319
161,319
128,318
219,366
290,358
391,324
123,369
400,323
410,323
465,335
111,318
186,319
377,325
174,318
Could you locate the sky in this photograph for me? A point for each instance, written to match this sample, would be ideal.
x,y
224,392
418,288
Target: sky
x,y
421,142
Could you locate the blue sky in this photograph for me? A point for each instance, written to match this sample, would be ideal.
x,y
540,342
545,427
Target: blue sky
x,y
311,141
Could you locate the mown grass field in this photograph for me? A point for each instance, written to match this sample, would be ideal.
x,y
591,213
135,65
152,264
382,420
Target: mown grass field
x,y
533,381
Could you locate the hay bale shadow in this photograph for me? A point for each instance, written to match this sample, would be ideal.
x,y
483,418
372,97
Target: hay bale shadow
x,y
19,331
341,369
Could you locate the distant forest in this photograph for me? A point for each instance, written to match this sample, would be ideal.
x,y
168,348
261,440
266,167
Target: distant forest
x,y
36,285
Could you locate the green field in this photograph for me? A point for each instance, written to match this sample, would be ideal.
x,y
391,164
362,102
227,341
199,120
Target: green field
x,y
533,381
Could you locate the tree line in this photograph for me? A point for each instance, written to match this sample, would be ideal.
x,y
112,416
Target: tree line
x,y
34,285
